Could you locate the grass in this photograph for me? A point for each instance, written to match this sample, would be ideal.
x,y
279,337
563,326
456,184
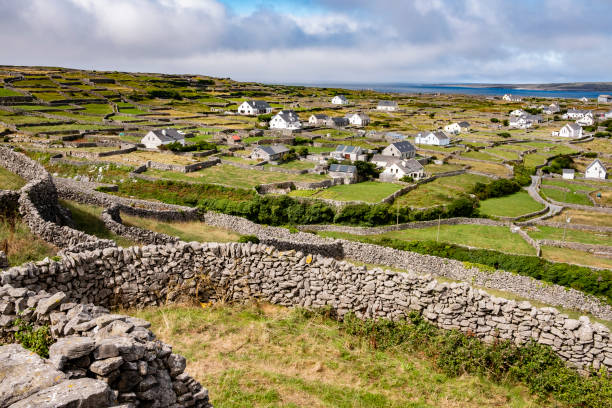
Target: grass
x,y
440,191
369,191
476,236
441,168
87,219
268,356
10,180
9,92
295,165
582,217
186,231
573,256
513,205
585,237
235,177
566,197
534,159
487,168
481,155
20,245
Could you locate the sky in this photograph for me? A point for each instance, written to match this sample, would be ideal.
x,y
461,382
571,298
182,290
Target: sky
x,y
318,41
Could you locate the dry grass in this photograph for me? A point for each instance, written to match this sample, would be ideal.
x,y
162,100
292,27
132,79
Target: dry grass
x,y
267,356
583,217
487,168
10,181
20,245
573,256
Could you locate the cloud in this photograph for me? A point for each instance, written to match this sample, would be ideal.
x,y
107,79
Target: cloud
x,y
317,41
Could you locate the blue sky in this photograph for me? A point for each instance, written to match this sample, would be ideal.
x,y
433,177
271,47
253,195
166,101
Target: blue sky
x,y
504,41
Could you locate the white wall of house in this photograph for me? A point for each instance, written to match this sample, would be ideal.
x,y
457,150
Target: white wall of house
x,y
431,139
567,131
453,128
278,122
338,100
595,171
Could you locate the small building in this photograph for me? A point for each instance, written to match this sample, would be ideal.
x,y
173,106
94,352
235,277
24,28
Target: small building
x,y
343,171
339,100
511,98
518,112
400,168
584,99
337,121
521,122
568,174
388,106
596,170
253,108
394,136
318,119
401,150
358,119
235,139
551,109
456,128
286,119
156,138
604,99
577,113
271,153
571,130
347,152
586,120
437,138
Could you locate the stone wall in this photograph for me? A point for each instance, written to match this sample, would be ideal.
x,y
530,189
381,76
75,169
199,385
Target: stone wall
x,y
111,218
153,275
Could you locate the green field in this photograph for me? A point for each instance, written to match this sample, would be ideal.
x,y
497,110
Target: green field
x,y
10,180
513,205
480,155
573,256
262,355
566,197
557,234
534,159
235,177
369,191
440,191
503,153
477,236
9,92
22,246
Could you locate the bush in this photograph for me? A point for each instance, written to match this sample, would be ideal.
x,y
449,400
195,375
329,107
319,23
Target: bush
x,y
164,94
366,170
265,118
37,340
558,164
407,179
494,120
195,147
249,238
506,122
505,135
496,188
590,155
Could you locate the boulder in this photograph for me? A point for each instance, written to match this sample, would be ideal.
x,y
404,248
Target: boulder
x,y
70,348
82,393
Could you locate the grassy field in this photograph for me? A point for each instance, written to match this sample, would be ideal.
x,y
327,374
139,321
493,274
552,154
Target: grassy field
x,y
9,92
441,168
573,256
268,356
186,231
236,177
582,217
20,244
440,191
487,168
585,237
369,191
513,205
534,159
87,219
566,197
477,236
481,155
10,180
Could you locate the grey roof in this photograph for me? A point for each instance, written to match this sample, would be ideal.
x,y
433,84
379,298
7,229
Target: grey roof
x,y
321,116
464,124
574,126
596,161
258,104
438,133
361,115
568,171
409,166
348,149
288,115
387,103
339,120
395,135
168,135
582,111
342,168
404,146
274,149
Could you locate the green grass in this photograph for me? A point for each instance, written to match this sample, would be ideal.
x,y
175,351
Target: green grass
x,y
369,191
503,153
513,205
9,92
573,256
10,180
440,191
294,165
87,219
566,197
76,126
477,236
585,237
573,187
98,108
22,246
534,159
267,356
235,177
480,155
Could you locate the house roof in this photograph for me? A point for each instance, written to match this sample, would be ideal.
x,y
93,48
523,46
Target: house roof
x,y
273,149
387,103
348,149
236,137
339,120
363,116
409,166
288,115
395,135
341,97
568,171
168,135
573,126
258,104
404,146
438,133
342,168
464,124
320,116
595,162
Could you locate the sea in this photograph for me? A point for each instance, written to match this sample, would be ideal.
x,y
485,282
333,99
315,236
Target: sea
x,y
460,89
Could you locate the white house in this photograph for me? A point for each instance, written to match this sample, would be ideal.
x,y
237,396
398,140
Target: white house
x,y
337,121
577,113
400,168
568,174
156,138
584,99
551,109
456,128
346,152
510,98
521,122
358,119
401,150
343,171
339,100
269,153
571,130
318,119
586,120
285,119
518,112
604,99
595,170
436,138
388,106
253,108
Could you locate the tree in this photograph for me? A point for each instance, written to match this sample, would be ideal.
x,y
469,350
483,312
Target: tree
x,y
366,169
506,122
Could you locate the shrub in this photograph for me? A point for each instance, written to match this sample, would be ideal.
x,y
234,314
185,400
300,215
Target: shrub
x,y
496,188
265,118
248,238
195,147
37,340
165,94
505,135
506,122
494,120
558,164
407,179
590,155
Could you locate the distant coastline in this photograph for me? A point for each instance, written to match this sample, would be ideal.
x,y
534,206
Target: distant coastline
x,y
562,90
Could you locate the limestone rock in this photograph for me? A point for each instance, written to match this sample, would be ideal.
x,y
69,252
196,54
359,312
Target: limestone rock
x,y
81,393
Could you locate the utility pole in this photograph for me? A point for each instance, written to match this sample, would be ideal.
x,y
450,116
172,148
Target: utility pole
x,y
567,221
